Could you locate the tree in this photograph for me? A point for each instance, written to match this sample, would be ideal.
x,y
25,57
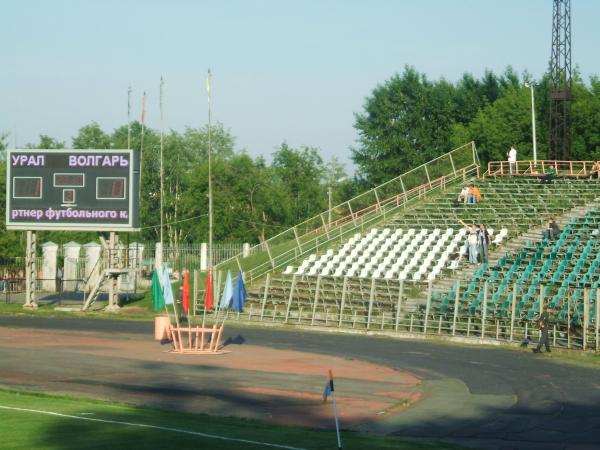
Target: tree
x,y
497,126
407,121
92,137
585,119
3,141
300,172
47,142
410,120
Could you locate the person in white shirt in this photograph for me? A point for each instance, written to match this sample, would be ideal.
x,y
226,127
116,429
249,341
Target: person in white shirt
x,y
464,194
512,159
472,241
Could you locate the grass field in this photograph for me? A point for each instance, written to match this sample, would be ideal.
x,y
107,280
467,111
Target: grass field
x,y
85,424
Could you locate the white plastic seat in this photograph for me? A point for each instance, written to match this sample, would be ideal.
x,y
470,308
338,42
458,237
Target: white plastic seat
x,y
313,270
288,270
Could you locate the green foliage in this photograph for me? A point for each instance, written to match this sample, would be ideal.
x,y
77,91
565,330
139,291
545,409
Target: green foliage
x,y
409,120
3,143
585,119
496,126
47,142
91,136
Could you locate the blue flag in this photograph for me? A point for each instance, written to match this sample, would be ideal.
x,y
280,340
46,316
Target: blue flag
x,y
239,294
227,292
167,289
326,391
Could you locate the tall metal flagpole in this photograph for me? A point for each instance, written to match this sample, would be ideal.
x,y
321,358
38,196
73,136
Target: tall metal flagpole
x,y
210,213
143,116
161,162
129,118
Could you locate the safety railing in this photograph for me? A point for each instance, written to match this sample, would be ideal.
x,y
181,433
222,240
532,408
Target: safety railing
x,y
357,213
578,169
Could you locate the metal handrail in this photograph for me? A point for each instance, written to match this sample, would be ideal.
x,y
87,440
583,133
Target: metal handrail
x,y
371,217
530,168
454,171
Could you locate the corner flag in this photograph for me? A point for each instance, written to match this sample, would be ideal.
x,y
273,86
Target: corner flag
x,y
329,390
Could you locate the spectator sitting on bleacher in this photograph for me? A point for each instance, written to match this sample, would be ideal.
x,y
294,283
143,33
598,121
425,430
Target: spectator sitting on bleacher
x,y
474,194
595,173
552,229
464,195
548,177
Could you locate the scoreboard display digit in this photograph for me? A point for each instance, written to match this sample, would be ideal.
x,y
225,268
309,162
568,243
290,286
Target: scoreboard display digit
x,y
110,188
95,190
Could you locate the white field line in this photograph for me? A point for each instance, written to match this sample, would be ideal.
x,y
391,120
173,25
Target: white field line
x,y
155,427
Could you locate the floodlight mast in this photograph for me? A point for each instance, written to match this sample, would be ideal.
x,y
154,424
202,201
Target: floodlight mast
x,y
560,81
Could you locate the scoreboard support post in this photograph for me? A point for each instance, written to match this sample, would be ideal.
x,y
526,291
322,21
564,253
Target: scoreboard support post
x,y
30,271
113,263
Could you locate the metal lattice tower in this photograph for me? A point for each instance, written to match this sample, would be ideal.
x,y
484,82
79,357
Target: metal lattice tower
x,y
560,82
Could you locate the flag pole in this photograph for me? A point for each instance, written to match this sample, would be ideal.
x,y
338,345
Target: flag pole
x,y
161,162
337,423
142,153
176,318
143,117
210,211
129,117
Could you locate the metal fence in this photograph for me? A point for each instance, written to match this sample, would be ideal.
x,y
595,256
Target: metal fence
x,y
381,305
187,256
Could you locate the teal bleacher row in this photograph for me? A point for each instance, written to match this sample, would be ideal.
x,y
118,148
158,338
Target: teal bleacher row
x,y
564,267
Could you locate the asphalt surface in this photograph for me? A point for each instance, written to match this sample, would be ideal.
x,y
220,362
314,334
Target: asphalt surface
x,y
479,397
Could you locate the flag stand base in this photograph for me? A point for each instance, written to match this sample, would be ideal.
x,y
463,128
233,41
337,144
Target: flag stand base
x,y
197,340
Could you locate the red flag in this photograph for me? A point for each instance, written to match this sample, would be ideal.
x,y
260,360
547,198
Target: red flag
x,y
186,291
208,300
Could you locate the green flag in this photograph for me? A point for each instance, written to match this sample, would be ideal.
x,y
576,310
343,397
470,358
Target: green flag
x,y
158,299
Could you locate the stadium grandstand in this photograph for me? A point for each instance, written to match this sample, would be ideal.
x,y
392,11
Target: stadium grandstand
x,y
394,259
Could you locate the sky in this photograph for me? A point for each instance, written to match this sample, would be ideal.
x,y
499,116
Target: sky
x,y
295,71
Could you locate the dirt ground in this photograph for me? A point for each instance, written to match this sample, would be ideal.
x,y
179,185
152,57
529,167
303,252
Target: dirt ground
x,y
272,385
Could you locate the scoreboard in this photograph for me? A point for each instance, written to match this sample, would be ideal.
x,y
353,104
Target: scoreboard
x,y
87,190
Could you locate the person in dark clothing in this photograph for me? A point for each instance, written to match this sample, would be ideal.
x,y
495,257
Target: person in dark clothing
x,y
59,279
483,241
552,229
544,324
548,177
